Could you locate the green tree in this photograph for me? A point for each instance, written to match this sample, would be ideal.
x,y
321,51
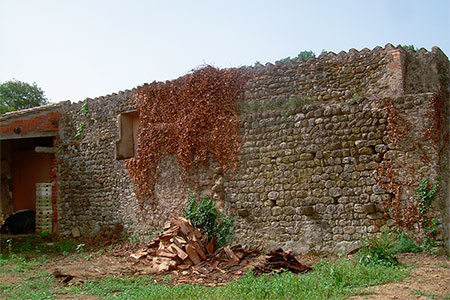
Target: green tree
x,y
15,95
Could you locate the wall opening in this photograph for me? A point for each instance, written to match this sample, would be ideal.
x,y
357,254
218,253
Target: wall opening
x,y
24,162
128,127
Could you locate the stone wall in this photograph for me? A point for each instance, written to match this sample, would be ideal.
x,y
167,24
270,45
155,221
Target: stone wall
x,y
92,184
314,134
308,178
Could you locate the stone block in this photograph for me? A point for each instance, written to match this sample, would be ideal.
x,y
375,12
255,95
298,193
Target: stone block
x,y
243,212
370,208
307,210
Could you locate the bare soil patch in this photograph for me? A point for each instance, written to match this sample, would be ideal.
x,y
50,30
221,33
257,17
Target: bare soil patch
x,y
429,279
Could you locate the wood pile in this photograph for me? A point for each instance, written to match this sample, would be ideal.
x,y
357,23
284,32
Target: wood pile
x,y
181,245
279,261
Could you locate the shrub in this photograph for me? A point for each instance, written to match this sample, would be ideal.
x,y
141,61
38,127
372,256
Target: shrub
x,y
205,215
405,244
379,250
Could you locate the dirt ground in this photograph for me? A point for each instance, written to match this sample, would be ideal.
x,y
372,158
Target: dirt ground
x,y
429,279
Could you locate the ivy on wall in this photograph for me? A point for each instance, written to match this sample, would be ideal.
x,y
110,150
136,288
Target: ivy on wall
x,y
193,117
416,211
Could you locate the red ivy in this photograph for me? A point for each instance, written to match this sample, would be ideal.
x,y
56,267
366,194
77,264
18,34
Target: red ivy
x,y
194,117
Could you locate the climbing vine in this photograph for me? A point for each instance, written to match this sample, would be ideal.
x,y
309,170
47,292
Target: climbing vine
x,y
193,117
436,115
83,111
398,127
408,213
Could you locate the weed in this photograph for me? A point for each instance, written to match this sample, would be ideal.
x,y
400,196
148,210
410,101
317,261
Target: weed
x,y
379,250
80,130
84,108
337,280
64,247
409,47
404,244
80,248
421,293
305,55
424,197
37,286
442,265
291,103
205,215
44,234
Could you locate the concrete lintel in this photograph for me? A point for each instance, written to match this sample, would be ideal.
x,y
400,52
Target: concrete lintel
x,y
39,149
28,135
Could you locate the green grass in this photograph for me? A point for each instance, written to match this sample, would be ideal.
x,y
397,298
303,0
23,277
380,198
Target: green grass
x,y
421,293
35,286
442,265
329,281
20,264
32,245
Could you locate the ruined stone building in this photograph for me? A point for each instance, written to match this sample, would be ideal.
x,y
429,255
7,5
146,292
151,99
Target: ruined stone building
x,y
309,176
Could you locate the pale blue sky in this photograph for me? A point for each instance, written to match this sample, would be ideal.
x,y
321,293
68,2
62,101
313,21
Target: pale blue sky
x,y
78,49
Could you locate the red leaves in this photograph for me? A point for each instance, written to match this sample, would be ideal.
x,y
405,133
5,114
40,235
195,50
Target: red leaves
x,y
193,117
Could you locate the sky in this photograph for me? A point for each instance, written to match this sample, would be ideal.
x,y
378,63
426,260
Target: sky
x,y
79,49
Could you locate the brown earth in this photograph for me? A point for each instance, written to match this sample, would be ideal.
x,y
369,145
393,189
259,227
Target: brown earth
x,y
429,279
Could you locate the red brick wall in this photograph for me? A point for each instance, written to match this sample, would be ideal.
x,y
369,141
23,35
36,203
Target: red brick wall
x,y
41,123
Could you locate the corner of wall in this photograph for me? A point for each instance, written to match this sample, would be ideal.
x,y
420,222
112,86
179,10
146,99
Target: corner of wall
x,y
396,68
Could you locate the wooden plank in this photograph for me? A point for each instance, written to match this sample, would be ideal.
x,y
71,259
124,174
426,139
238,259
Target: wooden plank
x,y
210,247
231,254
199,250
192,252
165,253
181,254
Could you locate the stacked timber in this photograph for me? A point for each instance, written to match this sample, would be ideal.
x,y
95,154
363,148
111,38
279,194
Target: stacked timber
x,y
181,245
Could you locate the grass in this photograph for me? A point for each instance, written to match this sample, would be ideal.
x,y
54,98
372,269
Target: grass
x,y
329,281
35,286
421,293
442,265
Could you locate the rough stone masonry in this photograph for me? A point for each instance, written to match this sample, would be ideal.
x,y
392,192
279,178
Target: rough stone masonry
x,y
315,135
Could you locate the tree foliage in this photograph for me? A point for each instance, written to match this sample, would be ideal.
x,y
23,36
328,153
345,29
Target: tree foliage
x,y
16,95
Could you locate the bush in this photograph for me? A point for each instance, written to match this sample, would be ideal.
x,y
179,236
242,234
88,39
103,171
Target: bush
x,y
205,215
379,250
405,244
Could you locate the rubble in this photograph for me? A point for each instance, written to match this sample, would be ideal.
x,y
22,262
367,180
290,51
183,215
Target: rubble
x,y
181,245
279,261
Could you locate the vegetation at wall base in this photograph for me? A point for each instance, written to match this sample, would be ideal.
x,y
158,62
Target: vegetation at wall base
x,y
379,250
330,280
204,214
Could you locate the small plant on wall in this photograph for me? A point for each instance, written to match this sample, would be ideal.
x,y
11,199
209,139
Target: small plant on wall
x,y
80,128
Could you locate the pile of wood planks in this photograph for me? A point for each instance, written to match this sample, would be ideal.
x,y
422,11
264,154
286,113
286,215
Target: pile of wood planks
x,y
179,246
278,261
